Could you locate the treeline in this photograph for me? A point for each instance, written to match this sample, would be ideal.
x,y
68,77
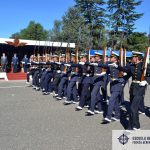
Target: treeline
x,y
94,24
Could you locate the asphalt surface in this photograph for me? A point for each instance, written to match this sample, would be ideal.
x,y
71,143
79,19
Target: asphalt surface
x,y
31,121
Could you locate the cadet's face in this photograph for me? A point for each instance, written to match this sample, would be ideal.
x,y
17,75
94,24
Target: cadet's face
x,y
84,59
55,59
97,58
63,59
106,58
113,59
81,59
73,59
134,59
92,59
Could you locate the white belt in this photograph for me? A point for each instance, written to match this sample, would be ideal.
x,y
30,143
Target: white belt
x,y
134,81
58,71
85,74
63,72
114,79
100,74
43,62
72,72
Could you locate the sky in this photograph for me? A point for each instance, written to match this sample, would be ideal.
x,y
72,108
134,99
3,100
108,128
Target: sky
x,y
16,14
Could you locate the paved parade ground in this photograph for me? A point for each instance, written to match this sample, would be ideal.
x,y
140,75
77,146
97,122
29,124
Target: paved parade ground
x,y
31,121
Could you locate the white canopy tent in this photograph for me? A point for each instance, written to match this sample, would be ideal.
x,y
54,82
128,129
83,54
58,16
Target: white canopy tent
x,y
40,43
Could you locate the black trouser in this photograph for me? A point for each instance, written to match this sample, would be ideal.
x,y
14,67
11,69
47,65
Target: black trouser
x,y
142,105
85,94
30,73
56,83
137,93
35,80
134,115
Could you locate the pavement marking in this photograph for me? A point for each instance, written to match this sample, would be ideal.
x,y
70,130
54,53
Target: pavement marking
x,y
8,87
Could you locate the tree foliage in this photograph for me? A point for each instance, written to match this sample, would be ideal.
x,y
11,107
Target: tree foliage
x,y
94,18
56,32
94,24
34,31
122,17
137,41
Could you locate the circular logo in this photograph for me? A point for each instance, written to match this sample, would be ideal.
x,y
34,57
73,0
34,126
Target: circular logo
x,y
123,139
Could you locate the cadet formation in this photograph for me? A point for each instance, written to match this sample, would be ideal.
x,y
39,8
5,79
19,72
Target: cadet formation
x,y
85,83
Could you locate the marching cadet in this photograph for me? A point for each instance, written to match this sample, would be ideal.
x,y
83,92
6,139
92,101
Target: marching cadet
x,y
86,82
72,94
58,75
36,79
116,88
43,78
31,71
62,88
98,82
137,88
106,81
47,84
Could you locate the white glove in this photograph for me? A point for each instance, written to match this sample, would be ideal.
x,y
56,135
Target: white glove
x,y
94,64
58,63
81,63
124,74
68,65
113,65
103,73
143,83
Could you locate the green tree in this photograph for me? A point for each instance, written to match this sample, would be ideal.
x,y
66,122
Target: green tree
x,y
94,15
137,41
73,27
34,31
56,32
122,17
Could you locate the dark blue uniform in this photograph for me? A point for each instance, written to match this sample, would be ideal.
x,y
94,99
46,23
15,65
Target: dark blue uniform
x,y
25,61
15,64
137,93
99,81
62,88
116,88
43,78
47,83
86,82
72,94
